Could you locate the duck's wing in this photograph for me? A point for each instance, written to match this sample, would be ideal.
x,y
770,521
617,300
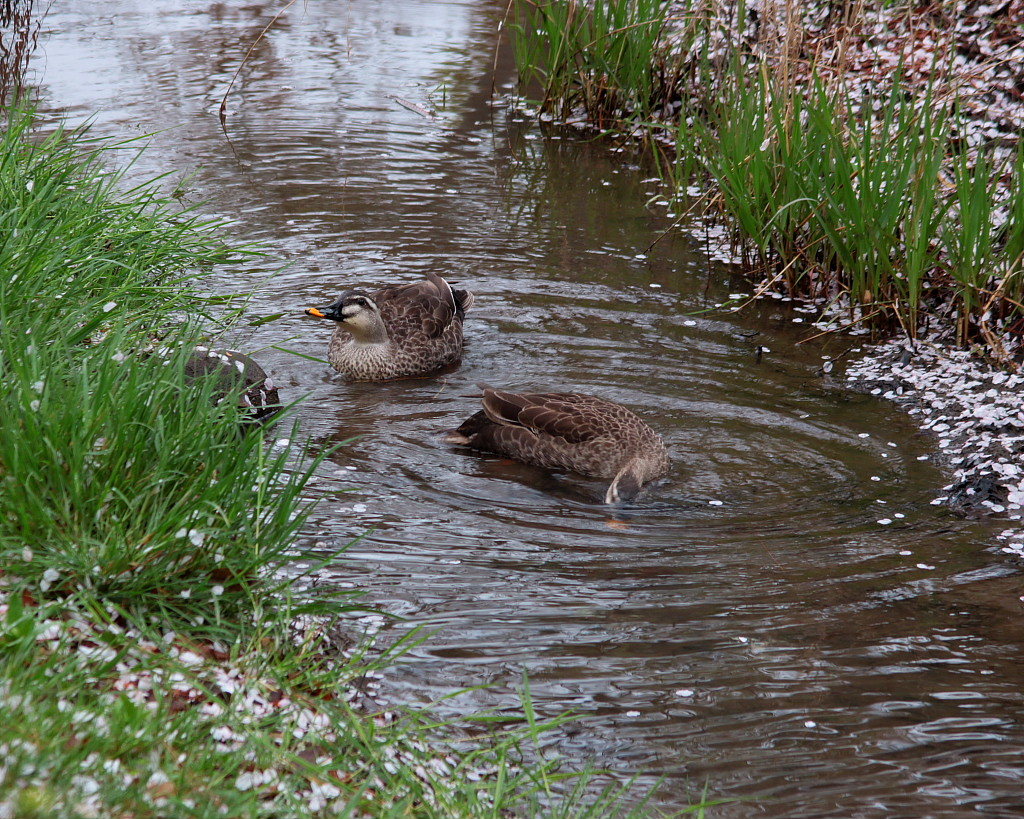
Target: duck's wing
x,y
420,309
573,417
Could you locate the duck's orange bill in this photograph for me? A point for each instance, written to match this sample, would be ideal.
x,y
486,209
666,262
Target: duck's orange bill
x,y
312,311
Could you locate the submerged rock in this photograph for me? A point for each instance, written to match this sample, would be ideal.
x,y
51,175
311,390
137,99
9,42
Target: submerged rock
x,y
978,496
260,400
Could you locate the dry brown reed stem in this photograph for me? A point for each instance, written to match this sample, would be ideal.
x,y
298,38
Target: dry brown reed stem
x,y
881,311
497,45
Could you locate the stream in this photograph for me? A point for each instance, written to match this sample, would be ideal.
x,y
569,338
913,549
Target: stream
x,y
747,625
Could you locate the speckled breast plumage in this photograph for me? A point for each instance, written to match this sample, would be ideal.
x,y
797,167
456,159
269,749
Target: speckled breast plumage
x,y
401,358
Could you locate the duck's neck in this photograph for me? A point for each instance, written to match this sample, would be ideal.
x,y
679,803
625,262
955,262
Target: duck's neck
x,y
369,332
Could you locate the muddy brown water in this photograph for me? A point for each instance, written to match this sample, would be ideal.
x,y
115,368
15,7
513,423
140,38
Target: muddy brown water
x,y
747,625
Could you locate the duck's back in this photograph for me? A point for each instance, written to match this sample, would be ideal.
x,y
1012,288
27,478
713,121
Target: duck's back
x,y
424,319
420,312
573,431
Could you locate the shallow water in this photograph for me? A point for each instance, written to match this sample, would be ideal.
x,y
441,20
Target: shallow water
x,y
748,623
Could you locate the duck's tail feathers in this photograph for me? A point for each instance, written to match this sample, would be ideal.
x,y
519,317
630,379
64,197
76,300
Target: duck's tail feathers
x,y
463,300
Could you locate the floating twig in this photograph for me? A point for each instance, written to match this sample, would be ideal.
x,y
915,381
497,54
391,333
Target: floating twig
x,y
416,108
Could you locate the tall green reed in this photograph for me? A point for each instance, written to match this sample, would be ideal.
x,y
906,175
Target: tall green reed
x,y
878,188
1013,234
969,236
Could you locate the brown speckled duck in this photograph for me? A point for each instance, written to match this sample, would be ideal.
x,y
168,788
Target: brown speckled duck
x,y
571,431
398,331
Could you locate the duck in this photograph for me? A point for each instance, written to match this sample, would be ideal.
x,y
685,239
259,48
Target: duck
x,y
569,431
399,331
258,398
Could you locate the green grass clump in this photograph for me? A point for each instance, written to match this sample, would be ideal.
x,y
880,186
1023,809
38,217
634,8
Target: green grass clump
x,y
155,660
113,720
118,476
839,196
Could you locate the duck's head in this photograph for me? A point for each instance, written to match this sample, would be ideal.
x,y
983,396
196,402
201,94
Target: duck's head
x,y
357,311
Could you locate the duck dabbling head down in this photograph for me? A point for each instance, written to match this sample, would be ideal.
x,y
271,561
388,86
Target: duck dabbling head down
x,y
572,431
397,331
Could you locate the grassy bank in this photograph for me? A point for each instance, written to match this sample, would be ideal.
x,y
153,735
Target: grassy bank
x,y
860,173
154,661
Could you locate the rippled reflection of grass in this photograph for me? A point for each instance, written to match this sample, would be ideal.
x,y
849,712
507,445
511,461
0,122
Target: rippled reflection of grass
x,y
154,661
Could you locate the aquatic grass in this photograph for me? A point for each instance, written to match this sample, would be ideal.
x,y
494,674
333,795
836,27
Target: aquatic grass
x,y
982,241
838,195
605,57
1014,242
1009,277
968,245
751,166
746,173
765,154
544,38
882,174
681,164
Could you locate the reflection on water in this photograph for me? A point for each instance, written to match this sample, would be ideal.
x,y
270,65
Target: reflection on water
x,y
748,623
